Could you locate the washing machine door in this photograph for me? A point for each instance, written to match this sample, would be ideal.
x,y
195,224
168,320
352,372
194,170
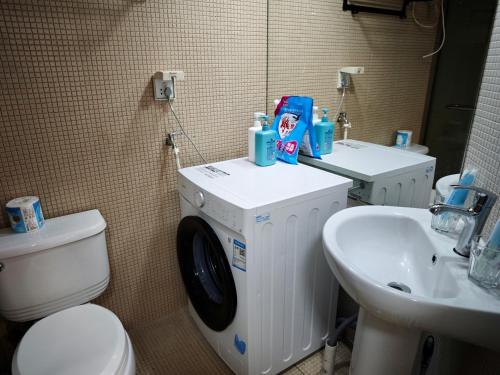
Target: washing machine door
x,y
206,272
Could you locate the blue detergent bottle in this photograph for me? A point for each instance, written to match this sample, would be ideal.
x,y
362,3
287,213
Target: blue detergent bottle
x,y
324,134
265,144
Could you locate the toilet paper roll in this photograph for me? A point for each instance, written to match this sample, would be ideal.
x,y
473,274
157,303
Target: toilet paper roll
x,y
403,138
25,214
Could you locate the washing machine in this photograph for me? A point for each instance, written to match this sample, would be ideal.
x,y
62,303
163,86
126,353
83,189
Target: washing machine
x,y
250,255
381,175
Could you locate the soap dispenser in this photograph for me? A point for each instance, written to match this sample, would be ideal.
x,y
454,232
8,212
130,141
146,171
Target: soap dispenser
x,y
257,126
265,144
324,133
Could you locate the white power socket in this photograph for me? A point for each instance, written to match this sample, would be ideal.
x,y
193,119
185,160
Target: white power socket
x,y
164,84
344,75
162,89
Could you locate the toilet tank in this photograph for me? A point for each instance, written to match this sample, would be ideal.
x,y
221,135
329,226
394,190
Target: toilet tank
x,y
61,265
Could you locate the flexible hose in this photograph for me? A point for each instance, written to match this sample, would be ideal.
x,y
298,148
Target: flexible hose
x,y
328,363
332,340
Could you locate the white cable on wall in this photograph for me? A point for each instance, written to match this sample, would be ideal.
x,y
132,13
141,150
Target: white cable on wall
x,y
444,34
339,109
186,134
436,7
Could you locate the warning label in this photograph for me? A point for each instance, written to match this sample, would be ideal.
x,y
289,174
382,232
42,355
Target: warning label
x,y
239,255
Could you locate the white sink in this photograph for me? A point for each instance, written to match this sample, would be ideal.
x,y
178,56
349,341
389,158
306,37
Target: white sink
x,y
369,247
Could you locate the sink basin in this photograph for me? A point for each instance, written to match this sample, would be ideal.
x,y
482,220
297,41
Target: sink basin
x,y
406,279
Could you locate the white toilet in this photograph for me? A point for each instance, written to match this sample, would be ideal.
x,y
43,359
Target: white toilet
x,y
444,185
52,274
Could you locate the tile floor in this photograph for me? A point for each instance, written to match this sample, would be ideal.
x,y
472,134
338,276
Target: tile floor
x,y
173,345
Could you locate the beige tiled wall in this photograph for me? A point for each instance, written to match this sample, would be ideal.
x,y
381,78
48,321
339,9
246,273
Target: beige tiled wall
x,y
79,128
310,40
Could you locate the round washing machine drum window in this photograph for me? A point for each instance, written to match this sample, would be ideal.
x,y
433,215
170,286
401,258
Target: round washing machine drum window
x,y
206,273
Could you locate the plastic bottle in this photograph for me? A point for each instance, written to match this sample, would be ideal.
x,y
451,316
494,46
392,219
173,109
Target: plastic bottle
x,y
324,134
251,135
305,145
316,120
265,144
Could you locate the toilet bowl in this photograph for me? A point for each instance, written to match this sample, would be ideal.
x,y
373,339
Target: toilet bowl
x,y
81,340
51,274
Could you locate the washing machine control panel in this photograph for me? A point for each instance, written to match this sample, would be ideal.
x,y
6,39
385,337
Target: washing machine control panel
x,y
218,209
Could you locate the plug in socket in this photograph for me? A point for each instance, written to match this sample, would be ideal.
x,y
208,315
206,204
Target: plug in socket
x,y
164,84
162,89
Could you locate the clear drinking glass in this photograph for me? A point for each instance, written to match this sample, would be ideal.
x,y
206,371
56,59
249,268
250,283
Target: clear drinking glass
x,y
448,223
484,265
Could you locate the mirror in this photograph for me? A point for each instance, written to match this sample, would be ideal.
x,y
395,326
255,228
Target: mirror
x,y
433,97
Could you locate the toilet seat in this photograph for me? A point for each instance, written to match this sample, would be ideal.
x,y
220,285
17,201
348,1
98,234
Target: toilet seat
x,y
81,340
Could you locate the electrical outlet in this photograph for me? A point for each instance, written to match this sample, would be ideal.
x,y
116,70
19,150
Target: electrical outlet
x,y
342,80
344,75
162,89
164,84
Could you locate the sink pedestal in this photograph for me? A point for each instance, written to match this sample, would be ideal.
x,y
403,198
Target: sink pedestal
x,y
408,281
382,348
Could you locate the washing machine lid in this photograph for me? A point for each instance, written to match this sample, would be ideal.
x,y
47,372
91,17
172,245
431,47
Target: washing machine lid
x,y
368,161
249,186
81,340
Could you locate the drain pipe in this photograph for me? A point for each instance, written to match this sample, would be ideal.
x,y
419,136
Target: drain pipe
x,y
327,367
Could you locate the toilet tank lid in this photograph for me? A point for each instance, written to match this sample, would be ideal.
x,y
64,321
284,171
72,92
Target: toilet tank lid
x,y
57,231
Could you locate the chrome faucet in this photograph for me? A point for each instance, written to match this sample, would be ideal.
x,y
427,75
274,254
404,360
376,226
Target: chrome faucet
x,y
342,119
475,216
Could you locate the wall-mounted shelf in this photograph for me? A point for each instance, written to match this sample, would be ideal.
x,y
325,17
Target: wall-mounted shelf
x,y
354,9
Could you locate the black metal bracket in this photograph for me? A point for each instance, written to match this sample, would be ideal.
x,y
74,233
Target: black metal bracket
x,y
354,9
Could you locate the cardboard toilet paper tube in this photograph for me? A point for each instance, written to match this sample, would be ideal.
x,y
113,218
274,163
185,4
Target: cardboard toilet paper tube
x,y
25,214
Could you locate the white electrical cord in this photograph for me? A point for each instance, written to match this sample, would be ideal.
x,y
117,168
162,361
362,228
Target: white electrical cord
x,y
436,7
187,136
339,109
444,33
